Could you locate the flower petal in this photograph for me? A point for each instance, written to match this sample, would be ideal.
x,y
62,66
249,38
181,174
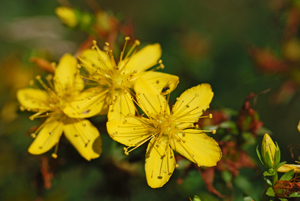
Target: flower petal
x,y
191,104
150,101
89,103
160,163
197,147
122,106
144,58
66,75
33,99
163,82
130,131
47,137
92,59
85,137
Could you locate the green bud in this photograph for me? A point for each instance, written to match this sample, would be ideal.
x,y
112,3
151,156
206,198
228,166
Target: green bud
x,y
67,16
268,152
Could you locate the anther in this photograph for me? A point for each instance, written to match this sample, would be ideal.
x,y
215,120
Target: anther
x,y
54,155
38,77
106,43
31,82
176,165
159,61
53,64
137,42
127,38
49,77
33,135
210,115
94,42
214,132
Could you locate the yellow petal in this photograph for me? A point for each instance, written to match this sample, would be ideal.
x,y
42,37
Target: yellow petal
x,y
160,163
89,103
164,83
93,59
289,167
66,75
122,106
130,131
33,99
85,138
150,101
144,58
197,147
47,137
191,104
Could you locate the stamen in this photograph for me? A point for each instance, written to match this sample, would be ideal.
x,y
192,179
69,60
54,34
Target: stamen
x,y
207,116
136,43
38,77
31,83
54,155
122,53
138,144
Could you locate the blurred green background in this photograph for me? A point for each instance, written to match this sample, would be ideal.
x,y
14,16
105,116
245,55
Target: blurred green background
x,y
202,41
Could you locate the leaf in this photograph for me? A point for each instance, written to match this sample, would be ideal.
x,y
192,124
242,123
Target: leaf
x,y
277,155
270,192
196,198
258,154
270,172
279,165
248,198
294,195
287,176
268,181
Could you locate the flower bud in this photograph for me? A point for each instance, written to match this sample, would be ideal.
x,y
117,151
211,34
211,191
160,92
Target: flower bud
x,y
268,151
67,16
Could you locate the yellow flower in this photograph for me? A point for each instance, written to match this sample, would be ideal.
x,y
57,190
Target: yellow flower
x,y
268,148
66,86
167,131
67,16
113,93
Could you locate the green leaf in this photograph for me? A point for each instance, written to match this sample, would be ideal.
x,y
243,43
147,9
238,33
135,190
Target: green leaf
x,y
295,195
226,176
277,155
258,154
228,124
283,199
287,176
196,198
267,159
270,172
279,165
268,181
270,192
247,197
275,178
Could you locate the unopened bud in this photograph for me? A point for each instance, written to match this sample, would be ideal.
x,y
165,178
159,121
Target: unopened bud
x,y
268,151
67,16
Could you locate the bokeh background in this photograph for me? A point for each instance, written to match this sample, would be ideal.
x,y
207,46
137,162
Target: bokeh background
x,y
202,41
